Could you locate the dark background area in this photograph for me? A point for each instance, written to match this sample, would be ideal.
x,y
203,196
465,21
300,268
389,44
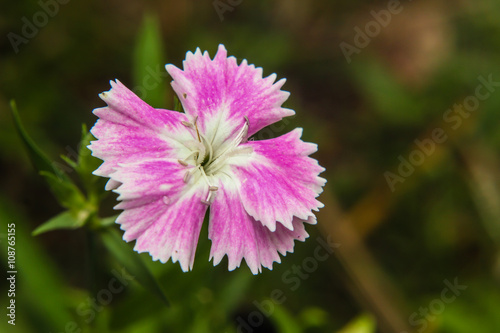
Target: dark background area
x,y
408,221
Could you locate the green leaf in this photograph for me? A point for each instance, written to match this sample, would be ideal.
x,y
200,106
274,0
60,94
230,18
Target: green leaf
x,y
63,188
86,162
107,221
94,185
363,323
285,321
42,289
65,220
314,317
234,290
69,161
149,71
131,261
67,193
178,104
40,161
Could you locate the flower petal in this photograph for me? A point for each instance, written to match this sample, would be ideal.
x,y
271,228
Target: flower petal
x,y
221,90
237,234
162,212
279,180
130,130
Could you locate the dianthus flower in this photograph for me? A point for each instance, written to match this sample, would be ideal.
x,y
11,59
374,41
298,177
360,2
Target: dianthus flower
x,y
169,167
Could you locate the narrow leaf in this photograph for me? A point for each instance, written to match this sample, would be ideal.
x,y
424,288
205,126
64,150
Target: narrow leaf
x,y
131,261
63,188
107,221
178,105
69,161
65,220
42,292
149,60
40,161
87,164
66,192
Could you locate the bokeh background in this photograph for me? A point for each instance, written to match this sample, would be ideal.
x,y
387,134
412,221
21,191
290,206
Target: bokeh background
x,y
418,253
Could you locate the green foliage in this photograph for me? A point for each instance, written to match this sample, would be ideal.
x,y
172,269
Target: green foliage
x,y
177,104
66,192
86,165
386,95
131,261
149,60
82,210
41,295
65,220
364,323
39,160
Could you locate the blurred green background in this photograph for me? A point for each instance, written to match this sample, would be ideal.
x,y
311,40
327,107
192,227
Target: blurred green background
x,y
415,227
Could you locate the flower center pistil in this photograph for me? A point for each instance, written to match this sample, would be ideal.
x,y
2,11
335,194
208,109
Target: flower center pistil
x,y
209,160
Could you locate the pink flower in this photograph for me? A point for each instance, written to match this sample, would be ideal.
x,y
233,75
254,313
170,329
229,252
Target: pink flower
x,y
169,167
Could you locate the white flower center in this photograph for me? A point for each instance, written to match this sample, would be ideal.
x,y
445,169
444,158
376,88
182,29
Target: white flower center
x,y
209,159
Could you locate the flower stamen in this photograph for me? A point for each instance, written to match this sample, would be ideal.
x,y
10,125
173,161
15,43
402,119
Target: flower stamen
x,y
239,137
217,162
211,188
196,127
187,175
210,149
209,159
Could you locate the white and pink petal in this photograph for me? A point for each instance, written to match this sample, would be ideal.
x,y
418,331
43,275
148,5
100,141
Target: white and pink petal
x,y
220,89
161,212
239,236
266,189
129,130
279,181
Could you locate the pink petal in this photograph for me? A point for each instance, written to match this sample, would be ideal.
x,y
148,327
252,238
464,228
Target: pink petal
x,y
279,181
130,130
162,212
220,89
237,234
